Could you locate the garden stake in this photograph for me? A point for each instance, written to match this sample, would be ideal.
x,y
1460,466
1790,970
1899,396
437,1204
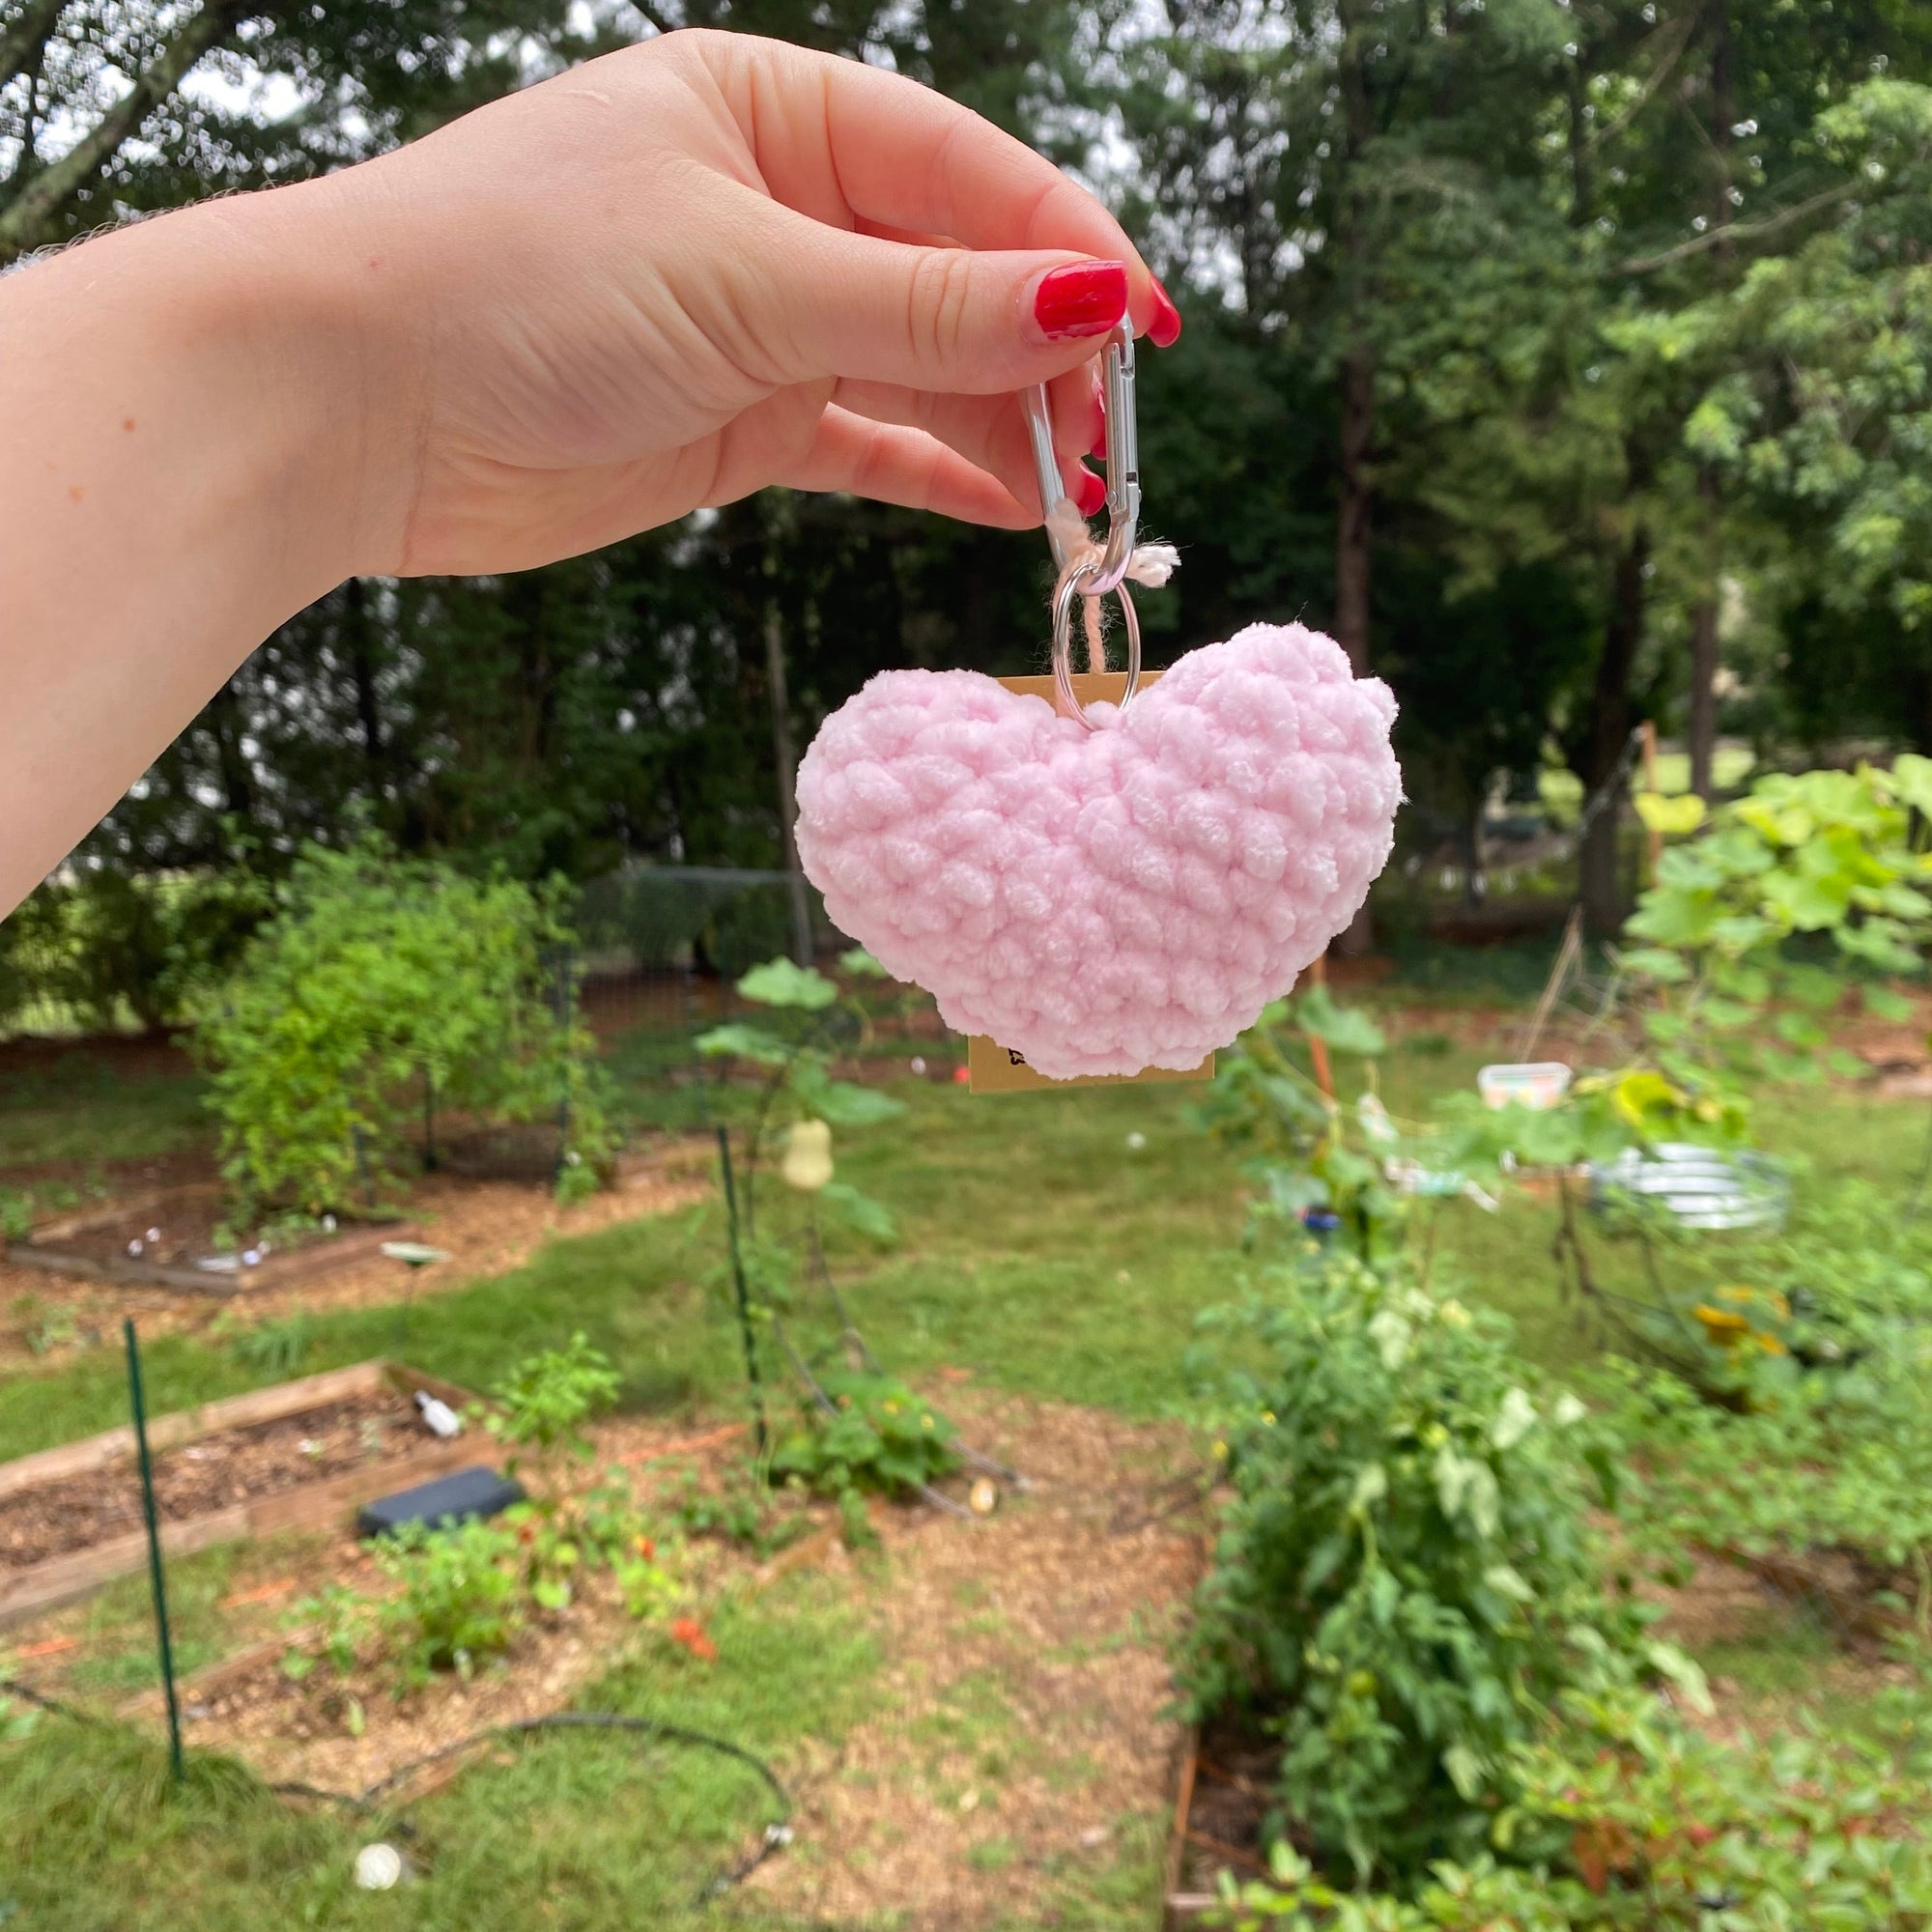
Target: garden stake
x,y
744,1294
160,1583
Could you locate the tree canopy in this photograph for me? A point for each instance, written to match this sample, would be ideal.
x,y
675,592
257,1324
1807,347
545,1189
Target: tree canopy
x,y
1570,359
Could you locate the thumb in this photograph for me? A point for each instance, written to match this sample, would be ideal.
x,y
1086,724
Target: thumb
x,y
947,320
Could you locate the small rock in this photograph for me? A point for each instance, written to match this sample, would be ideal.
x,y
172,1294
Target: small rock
x,y
1093,1835
1136,1141
378,1868
984,1497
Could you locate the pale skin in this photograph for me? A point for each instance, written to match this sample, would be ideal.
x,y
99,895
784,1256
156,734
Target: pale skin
x,y
665,279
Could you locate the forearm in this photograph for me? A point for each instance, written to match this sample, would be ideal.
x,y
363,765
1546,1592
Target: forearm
x,y
199,435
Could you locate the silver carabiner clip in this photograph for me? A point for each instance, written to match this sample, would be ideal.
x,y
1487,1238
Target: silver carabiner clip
x,y
1123,467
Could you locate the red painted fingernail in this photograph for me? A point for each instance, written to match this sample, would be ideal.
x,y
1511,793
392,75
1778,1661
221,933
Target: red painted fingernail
x,y
1082,298
1099,447
1164,330
1092,497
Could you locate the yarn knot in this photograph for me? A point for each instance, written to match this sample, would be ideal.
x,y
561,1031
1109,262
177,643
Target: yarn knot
x,y
1151,564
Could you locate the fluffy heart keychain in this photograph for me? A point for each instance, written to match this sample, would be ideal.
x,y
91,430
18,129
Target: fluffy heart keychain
x,y
1109,888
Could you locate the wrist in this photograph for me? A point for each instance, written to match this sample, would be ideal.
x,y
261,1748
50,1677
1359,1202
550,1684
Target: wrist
x,y
304,334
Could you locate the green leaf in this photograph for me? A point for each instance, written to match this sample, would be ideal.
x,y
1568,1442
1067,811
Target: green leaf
x,y
1465,1771
861,964
843,1102
779,983
1343,1028
1912,782
859,1211
745,1042
1672,817
1653,962
1671,916
1811,987
1809,904
1880,1001
1799,1030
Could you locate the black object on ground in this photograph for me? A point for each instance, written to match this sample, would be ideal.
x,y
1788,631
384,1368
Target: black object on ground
x,y
475,1491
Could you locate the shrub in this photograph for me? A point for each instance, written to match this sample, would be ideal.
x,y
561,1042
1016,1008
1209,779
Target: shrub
x,y
1404,1579
378,982
1625,1818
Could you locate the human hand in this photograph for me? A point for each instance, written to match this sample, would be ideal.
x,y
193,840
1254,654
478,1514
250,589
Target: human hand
x,y
665,280
712,262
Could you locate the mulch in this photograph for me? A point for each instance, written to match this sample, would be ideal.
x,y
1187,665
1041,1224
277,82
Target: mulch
x,y
485,1228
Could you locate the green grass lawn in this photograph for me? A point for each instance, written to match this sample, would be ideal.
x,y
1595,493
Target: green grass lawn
x,y
1059,1245
84,1109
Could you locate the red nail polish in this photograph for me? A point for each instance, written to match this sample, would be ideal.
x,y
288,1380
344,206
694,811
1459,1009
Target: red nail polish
x,y
1164,330
1082,298
1092,497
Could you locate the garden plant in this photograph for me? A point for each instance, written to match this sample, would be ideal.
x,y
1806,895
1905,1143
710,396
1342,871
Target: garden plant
x,y
381,989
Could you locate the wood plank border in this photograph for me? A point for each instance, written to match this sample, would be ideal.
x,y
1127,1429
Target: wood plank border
x,y
68,1578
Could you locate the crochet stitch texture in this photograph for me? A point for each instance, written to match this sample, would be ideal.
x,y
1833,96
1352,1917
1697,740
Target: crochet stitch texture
x,y
1110,900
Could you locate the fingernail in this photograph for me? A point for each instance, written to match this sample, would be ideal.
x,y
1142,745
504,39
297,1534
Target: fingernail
x,y
1099,447
1164,330
1082,298
1092,497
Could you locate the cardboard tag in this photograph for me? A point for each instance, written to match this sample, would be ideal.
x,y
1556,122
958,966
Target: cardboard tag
x,y
992,1069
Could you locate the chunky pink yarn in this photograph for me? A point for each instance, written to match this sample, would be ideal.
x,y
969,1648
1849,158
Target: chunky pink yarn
x,y
1106,901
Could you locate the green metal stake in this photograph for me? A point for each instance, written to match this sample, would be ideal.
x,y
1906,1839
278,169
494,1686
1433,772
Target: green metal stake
x,y
154,1574
744,1294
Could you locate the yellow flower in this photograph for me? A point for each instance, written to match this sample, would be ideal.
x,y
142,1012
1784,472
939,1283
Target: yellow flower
x,y
1721,1324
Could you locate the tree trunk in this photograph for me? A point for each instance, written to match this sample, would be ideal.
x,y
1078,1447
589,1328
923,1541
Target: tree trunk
x,y
1355,523
1704,619
1476,884
1354,555
1704,692
1600,887
362,667
788,773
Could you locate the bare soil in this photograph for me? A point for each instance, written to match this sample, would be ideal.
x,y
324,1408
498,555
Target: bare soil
x,y
208,1474
179,1231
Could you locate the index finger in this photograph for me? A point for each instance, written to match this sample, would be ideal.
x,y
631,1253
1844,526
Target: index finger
x,y
845,143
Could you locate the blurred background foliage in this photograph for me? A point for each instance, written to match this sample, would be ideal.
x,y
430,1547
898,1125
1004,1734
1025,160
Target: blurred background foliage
x,y
1568,359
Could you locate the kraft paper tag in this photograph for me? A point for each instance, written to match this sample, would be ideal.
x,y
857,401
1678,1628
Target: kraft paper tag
x,y
992,1069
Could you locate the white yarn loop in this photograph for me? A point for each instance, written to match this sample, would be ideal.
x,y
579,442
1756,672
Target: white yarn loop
x,y
1151,564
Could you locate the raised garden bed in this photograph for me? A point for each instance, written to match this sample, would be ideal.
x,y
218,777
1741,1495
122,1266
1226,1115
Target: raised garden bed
x,y
296,1456
1225,1789
164,1239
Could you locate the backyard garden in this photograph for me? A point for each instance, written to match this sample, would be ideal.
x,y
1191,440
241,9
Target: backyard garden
x,y
1351,1493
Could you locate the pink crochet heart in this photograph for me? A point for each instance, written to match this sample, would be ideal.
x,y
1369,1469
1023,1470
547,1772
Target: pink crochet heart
x,y
1110,900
